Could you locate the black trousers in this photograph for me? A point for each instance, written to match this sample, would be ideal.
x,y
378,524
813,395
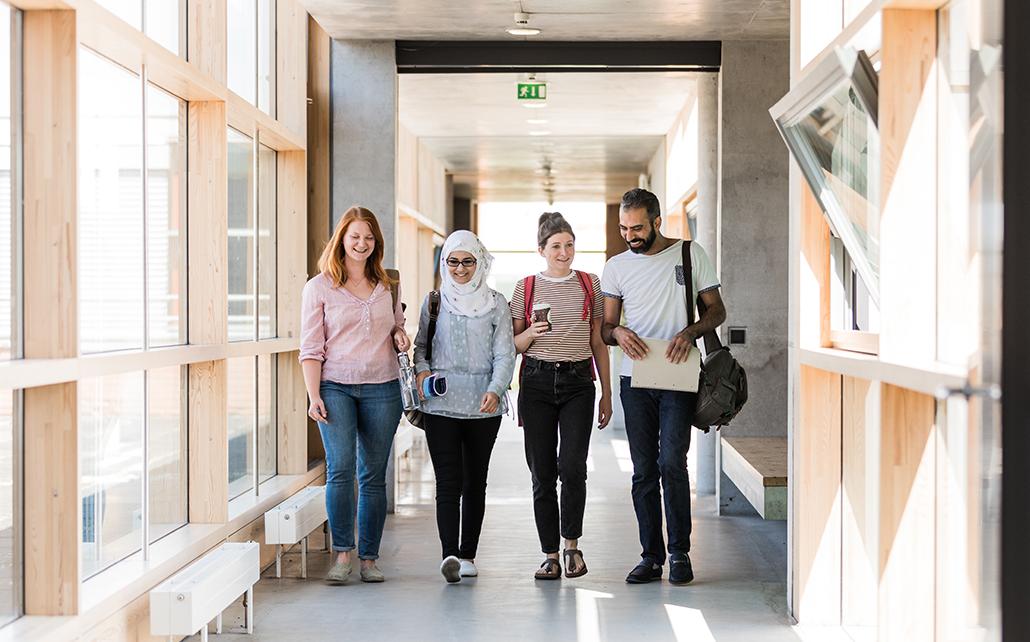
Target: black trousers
x,y
460,450
556,402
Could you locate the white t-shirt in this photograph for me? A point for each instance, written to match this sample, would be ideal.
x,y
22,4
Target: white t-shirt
x,y
652,291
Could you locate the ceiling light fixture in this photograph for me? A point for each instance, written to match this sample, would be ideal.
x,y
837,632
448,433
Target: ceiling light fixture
x,y
521,27
536,121
540,133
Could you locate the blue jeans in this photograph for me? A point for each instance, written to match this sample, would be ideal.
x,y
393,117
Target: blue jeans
x,y
362,421
658,430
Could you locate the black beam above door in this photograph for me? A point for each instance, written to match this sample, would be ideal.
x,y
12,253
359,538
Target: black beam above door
x,y
418,56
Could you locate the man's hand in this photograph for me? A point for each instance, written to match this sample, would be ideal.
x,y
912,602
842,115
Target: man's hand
x,y
489,403
680,346
630,343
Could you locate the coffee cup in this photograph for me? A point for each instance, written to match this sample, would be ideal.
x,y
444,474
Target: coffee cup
x,y
542,312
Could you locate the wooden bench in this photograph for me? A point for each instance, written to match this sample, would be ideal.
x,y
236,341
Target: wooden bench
x,y
758,467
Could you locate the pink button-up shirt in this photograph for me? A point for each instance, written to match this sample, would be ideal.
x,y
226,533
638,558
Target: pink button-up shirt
x,y
350,336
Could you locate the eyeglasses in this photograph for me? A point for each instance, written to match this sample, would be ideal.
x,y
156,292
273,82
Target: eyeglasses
x,y
464,263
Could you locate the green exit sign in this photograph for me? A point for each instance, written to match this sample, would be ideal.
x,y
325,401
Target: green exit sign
x,y
531,91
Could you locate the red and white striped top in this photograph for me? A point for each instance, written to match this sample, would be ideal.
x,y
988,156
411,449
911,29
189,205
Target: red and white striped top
x,y
569,338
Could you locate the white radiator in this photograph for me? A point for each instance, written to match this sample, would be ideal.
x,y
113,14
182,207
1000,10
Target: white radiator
x,y
190,599
291,522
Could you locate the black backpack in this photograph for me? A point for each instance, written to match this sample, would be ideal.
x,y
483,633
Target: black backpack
x,y
722,389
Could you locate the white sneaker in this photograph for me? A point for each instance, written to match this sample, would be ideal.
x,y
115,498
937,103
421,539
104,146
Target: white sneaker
x,y
468,568
451,569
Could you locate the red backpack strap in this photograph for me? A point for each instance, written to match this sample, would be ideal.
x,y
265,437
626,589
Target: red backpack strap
x,y
528,284
588,299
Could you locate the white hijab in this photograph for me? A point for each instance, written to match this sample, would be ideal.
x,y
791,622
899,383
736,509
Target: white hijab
x,y
472,299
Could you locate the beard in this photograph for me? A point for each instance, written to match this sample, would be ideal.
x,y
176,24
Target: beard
x,y
646,245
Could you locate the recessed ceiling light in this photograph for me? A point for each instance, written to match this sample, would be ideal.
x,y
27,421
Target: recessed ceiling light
x,y
540,133
534,104
537,121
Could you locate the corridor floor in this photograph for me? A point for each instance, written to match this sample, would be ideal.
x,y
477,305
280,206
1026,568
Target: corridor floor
x,y
738,594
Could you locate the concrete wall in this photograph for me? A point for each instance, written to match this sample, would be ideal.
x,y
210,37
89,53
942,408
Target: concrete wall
x,y
363,93
753,226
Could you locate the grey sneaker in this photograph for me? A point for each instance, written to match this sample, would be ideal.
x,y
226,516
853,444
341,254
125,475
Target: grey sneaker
x,y
372,574
339,573
451,569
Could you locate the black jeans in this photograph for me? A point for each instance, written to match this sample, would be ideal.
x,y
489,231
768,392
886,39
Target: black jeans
x,y
556,402
460,450
658,430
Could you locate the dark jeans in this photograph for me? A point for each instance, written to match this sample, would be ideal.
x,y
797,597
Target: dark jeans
x,y
460,450
658,429
556,403
362,421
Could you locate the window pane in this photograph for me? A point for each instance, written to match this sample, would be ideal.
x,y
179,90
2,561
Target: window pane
x,y
8,209
242,408
164,23
266,56
110,269
166,465
130,11
10,567
241,249
266,241
166,218
266,417
242,48
110,468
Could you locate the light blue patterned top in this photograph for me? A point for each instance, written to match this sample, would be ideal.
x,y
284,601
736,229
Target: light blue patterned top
x,y
476,354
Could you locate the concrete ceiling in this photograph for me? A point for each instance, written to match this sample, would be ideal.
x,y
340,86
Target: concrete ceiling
x,y
558,19
600,132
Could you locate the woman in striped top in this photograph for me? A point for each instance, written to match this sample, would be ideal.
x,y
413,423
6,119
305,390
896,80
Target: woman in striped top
x,y
556,394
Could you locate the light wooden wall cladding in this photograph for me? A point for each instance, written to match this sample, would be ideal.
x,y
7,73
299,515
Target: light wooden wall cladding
x,y
908,186
51,496
815,273
816,490
907,515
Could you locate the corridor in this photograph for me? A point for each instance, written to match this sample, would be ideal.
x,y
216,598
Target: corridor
x,y
738,593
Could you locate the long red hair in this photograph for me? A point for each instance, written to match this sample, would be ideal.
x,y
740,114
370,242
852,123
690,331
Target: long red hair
x,y
332,261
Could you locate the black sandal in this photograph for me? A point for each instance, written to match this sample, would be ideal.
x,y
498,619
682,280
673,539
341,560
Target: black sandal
x,y
549,570
569,558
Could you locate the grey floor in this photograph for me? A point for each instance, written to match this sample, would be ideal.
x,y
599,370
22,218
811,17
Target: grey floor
x,y
739,564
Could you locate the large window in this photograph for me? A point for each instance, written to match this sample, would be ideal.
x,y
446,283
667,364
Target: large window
x,y
10,311
515,248
162,20
131,224
251,241
252,422
251,51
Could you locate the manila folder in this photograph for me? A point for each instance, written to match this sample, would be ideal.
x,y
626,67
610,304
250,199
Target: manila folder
x,y
657,372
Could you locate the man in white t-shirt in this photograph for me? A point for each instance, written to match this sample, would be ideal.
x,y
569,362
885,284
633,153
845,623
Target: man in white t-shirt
x,y
647,284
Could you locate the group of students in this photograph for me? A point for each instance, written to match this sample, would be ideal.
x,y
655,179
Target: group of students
x,y
353,328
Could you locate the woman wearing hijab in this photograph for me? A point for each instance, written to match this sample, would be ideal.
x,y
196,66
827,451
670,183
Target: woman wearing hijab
x,y
472,347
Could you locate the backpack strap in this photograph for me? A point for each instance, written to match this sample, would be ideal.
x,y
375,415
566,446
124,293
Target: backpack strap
x,y
712,342
588,301
434,312
528,285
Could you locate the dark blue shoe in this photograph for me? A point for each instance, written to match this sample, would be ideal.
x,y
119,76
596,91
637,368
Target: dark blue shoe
x,y
644,572
680,571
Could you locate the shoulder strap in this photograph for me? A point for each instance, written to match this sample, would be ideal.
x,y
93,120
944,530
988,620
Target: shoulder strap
x,y
712,341
588,300
528,285
434,312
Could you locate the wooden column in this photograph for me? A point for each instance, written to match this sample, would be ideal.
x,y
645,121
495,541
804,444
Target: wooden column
x,y
815,488
206,37
291,266
208,305
52,506
614,244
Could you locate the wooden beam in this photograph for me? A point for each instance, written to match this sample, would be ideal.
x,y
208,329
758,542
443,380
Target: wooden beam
x,y
815,488
908,187
319,216
907,516
206,41
208,443
52,504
